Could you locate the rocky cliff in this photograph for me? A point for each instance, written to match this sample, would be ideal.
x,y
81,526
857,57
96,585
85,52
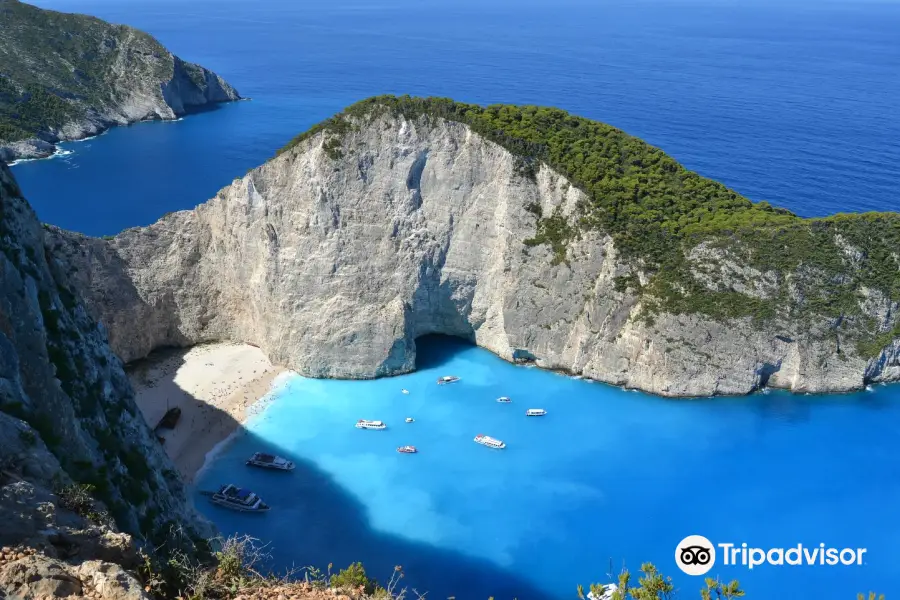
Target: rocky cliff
x,y
382,226
80,471
66,77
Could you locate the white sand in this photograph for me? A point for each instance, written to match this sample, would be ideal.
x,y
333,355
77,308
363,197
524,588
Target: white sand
x,y
213,384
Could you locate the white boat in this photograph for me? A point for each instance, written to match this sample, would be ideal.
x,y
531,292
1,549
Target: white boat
x,y
239,499
364,424
535,412
409,420
407,450
608,591
447,379
270,461
488,441
405,391
504,399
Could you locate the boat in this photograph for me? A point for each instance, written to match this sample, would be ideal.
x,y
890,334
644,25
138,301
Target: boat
x,y
504,399
405,391
407,450
410,420
170,419
365,424
239,499
535,412
270,461
447,379
486,440
608,591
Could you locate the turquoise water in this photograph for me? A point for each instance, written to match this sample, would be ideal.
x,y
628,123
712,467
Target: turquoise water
x,y
608,476
793,102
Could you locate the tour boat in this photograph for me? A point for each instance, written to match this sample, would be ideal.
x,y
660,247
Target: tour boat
x,y
364,424
503,399
409,419
535,412
239,499
488,441
270,461
407,450
447,379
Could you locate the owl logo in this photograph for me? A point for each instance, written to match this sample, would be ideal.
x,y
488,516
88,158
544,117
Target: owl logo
x,y
695,555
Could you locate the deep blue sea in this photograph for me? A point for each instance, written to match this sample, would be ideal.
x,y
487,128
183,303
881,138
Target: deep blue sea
x,y
794,103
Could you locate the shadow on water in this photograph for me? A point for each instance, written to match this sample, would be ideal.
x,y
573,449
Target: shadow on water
x,y
434,350
319,522
315,521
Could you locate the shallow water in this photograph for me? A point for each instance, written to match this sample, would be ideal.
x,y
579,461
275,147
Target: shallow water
x,y
607,477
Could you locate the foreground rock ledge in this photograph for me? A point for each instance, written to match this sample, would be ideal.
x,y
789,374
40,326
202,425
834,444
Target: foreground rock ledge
x,y
335,262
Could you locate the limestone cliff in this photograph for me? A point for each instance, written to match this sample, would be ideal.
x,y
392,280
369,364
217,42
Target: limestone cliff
x,y
66,77
335,256
80,471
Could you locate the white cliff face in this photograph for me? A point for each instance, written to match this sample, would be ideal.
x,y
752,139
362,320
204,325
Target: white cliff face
x,y
334,260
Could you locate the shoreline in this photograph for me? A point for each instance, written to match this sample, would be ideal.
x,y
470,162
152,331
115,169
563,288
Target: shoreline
x,y
214,385
101,128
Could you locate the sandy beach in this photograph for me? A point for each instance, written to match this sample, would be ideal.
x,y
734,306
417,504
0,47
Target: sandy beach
x,y
213,384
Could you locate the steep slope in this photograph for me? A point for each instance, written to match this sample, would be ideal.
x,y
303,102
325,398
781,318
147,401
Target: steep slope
x,y
67,413
402,217
66,76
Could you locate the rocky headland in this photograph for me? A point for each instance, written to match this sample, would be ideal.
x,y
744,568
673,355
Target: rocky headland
x,y
536,235
66,77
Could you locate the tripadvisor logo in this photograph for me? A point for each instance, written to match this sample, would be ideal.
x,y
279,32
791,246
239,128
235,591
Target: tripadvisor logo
x,y
696,555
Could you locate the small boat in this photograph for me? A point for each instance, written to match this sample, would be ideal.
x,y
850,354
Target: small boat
x,y
407,450
239,499
447,379
364,424
488,441
608,591
270,461
504,399
170,419
535,412
405,391
410,420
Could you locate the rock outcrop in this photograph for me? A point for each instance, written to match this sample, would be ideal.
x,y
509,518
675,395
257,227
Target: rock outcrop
x,y
81,474
67,77
335,256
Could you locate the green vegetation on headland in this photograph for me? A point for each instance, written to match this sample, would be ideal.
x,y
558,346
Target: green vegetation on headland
x,y
59,68
57,65
657,211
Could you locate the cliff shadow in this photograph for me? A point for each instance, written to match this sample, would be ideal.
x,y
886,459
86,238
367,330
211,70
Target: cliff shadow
x,y
164,393
436,349
314,521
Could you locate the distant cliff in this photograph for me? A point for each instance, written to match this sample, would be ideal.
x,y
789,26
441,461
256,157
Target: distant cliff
x,y
66,77
70,434
528,231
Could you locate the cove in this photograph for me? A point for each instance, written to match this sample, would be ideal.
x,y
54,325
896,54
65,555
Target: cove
x,y
608,478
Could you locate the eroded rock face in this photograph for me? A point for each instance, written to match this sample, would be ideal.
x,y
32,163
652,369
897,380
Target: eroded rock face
x,y
334,259
67,411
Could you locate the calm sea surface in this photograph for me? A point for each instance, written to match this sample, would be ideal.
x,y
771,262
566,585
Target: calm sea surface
x,y
795,104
